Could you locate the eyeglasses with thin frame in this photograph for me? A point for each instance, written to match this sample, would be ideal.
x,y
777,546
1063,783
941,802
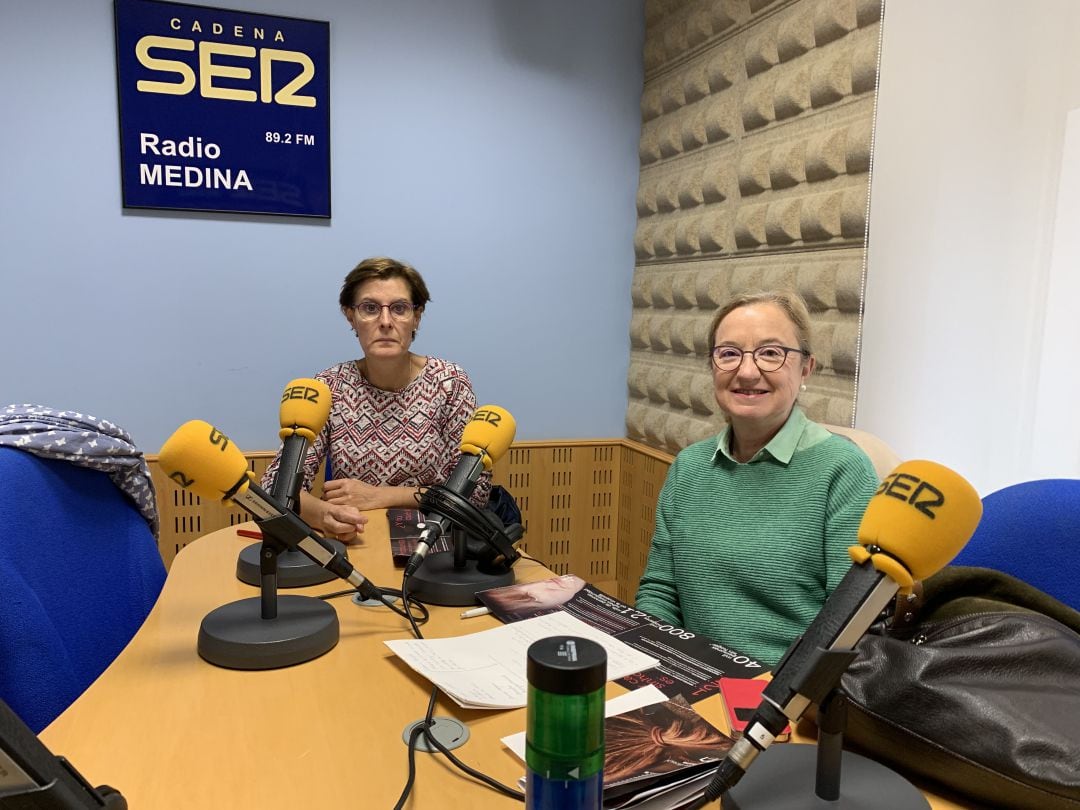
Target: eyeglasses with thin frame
x,y
368,310
767,358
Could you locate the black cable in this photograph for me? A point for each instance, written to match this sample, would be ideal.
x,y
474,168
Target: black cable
x,y
475,774
414,735
391,592
337,594
404,594
470,519
525,556
425,728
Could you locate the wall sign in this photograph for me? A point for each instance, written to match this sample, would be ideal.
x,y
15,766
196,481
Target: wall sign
x,y
223,110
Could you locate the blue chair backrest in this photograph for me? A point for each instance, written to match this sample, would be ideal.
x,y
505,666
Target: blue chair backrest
x,y
1031,530
79,572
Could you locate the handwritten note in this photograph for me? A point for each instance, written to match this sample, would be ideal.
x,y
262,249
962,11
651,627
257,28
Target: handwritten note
x,y
487,669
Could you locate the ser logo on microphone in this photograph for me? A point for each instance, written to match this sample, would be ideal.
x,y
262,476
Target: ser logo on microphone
x,y
484,415
219,438
182,479
301,392
923,495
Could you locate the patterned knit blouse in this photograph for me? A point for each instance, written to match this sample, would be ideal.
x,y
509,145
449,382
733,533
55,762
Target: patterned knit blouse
x,y
403,438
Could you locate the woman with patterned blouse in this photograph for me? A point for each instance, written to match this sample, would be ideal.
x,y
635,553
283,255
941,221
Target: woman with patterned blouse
x,y
397,417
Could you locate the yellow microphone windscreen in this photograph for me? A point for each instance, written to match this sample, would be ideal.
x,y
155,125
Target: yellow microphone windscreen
x,y
489,434
305,407
202,459
922,515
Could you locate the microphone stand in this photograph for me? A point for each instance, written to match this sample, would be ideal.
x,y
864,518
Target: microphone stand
x,y
294,568
453,577
270,631
782,777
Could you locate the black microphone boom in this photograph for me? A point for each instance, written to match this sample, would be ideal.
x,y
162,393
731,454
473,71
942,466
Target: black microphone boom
x,y
810,669
290,472
920,517
287,528
462,482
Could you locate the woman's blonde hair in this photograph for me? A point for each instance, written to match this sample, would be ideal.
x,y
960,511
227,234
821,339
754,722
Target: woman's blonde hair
x,y
790,302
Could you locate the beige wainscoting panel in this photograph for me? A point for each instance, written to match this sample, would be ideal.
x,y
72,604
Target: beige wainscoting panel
x,y
642,475
568,493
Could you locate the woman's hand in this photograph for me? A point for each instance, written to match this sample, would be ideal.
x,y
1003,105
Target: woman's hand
x,y
341,522
344,523
350,492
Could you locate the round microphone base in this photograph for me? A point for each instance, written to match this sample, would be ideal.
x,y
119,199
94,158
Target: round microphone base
x,y
783,778
294,568
236,636
438,582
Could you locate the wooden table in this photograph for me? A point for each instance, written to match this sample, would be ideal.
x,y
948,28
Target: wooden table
x,y
170,730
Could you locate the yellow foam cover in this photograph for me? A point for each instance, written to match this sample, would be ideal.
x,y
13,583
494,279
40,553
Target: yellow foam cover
x,y
489,434
921,516
202,459
305,407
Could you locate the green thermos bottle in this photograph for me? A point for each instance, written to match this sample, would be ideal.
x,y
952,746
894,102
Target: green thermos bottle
x,y
564,748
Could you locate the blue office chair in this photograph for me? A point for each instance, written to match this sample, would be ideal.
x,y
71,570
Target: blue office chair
x,y
79,572
1031,530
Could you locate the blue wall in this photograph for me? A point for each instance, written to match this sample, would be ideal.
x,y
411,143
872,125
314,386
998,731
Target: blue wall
x,y
491,143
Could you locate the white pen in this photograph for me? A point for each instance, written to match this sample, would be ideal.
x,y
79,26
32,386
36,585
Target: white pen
x,y
480,611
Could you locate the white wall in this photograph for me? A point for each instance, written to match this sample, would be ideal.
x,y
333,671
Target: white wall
x,y
492,143
971,343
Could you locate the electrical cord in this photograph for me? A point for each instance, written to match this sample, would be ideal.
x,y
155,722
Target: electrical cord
x,y
475,774
393,594
405,597
537,560
472,520
424,728
414,736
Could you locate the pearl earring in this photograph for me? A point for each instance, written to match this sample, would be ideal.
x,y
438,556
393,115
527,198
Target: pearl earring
x,y
802,387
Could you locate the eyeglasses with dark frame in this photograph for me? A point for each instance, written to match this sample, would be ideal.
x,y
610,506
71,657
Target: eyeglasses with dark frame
x,y
368,310
767,358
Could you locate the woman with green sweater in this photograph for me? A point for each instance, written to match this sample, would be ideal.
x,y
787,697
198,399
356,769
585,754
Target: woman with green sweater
x,y
753,526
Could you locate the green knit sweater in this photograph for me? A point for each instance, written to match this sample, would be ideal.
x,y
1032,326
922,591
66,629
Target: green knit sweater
x,y
747,554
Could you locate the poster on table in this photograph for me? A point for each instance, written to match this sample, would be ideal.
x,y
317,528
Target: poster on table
x,y
222,110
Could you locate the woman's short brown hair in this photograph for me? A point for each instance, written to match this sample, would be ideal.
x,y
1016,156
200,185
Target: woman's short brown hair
x,y
382,267
790,302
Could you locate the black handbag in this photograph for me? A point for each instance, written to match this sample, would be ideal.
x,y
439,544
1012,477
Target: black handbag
x,y
975,685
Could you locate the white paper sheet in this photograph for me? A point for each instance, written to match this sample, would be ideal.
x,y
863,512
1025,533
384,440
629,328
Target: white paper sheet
x,y
487,669
646,696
